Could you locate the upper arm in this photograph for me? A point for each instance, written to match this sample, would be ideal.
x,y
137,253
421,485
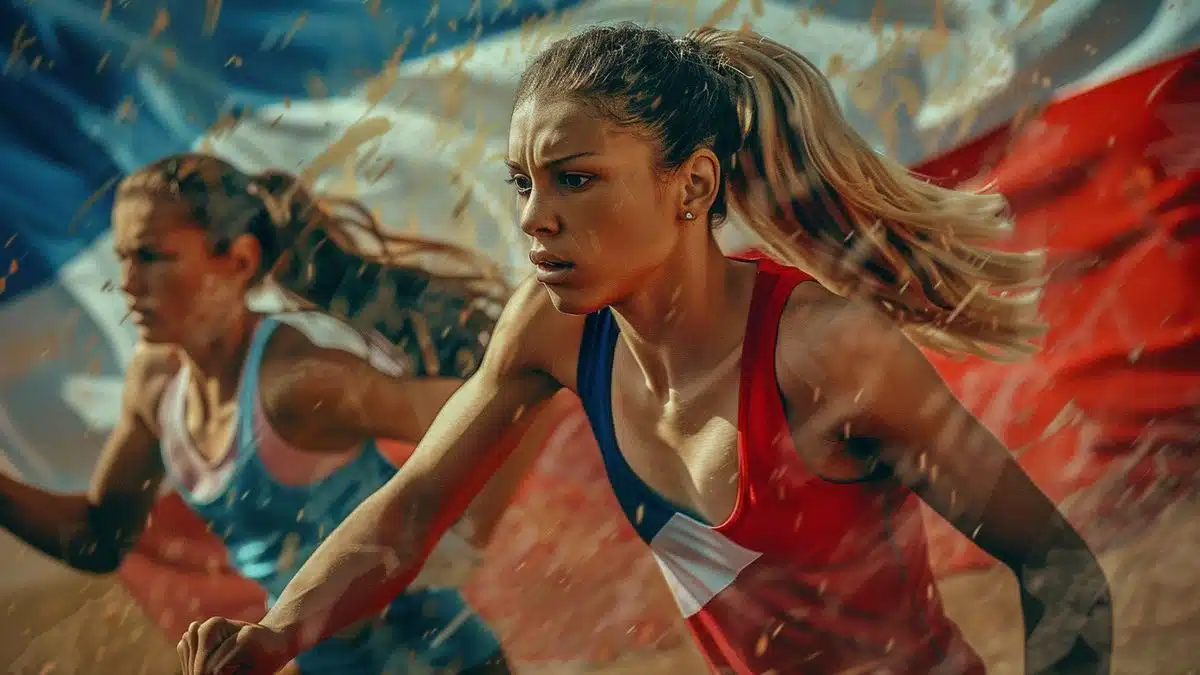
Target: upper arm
x,y
329,398
883,387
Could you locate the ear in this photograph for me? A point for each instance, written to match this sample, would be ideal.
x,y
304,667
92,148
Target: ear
x,y
700,178
244,257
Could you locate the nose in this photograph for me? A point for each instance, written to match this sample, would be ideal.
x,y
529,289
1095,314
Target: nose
x,y
538,217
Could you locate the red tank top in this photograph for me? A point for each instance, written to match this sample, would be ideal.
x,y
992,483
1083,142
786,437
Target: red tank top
x,y
808,575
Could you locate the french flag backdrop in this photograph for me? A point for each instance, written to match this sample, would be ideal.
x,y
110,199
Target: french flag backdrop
x,y
1085,112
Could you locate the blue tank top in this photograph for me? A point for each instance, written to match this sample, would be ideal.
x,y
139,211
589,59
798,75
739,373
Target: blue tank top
x,y
270,529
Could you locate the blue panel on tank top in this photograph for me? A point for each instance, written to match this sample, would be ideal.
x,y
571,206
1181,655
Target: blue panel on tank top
x,y
646,508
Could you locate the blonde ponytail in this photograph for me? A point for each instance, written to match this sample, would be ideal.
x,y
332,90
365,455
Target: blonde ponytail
x,y
821,199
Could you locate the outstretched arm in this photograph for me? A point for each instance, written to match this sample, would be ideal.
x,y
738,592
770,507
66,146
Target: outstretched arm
x,y
379,549
889,391
92,531
373,556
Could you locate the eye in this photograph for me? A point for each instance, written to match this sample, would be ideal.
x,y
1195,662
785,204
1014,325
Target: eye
x,y
575,181
522,182
144,255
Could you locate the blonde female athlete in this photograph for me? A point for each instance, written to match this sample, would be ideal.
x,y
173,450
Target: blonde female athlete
x,y
771,440
248,415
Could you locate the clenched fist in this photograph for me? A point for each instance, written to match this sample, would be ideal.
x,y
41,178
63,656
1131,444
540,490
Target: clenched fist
x,y
227,647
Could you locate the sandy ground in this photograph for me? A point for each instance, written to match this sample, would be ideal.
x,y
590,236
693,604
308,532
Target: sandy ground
x,y
90,626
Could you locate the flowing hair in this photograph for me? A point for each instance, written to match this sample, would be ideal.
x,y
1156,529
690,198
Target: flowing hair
x,y
436,300
808,184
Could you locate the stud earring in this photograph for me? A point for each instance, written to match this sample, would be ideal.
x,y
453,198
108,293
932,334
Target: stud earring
x,y
688,215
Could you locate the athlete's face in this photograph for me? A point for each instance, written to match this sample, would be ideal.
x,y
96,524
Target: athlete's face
x,y
601,217
178,291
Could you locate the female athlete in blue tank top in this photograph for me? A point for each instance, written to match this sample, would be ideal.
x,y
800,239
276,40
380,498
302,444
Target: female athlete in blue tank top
x,y
242,412
261,481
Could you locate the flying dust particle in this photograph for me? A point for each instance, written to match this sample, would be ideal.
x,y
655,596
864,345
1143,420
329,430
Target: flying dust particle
x,y
19,44
934,41
875,22
724,11
296,26
335,155
316,87
1036,8
212,14
127,110
162,19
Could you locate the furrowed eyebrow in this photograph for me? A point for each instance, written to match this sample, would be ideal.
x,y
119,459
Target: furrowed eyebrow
x,y
514,166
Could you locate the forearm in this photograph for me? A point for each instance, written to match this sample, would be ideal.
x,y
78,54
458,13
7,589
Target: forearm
x,y
376,552
64,527
523,442
1067,608
364,564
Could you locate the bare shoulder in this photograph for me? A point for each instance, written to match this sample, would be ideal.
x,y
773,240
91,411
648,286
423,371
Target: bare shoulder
x,y
311,343
534,336
149,372
299,369
289,345
825,339
531,337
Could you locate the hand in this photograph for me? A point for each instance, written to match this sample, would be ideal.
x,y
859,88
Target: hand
x,y
227,647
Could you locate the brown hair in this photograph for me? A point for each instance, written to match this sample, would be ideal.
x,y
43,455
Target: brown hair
x,y
806,183
423,295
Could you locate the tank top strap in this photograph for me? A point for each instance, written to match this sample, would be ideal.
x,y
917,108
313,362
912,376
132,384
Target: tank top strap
x,y
596,348
772,289
248,390
196,480
169,404
761,414
645,508
594,377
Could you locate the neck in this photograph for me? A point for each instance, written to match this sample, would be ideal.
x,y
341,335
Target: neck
x,y
216,362
688,319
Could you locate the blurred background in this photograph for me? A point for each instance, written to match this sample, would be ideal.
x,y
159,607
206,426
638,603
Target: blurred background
x,y
1085,112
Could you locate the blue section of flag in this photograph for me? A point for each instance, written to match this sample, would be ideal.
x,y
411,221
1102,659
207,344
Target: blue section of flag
x,y
95,88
